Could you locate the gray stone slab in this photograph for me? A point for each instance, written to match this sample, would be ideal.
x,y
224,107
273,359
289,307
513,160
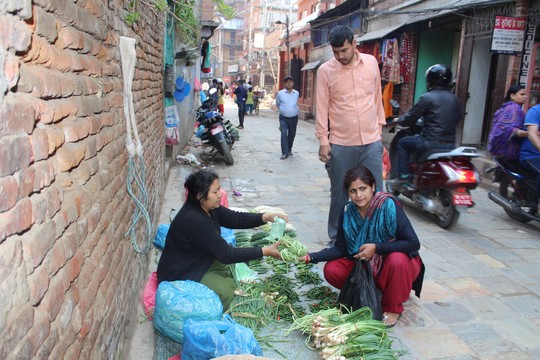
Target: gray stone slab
x,y
450,312
482,339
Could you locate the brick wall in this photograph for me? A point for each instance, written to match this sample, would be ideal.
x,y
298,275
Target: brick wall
x,y
70,279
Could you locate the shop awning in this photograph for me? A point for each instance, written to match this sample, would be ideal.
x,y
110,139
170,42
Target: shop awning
x,y
311,65
378,34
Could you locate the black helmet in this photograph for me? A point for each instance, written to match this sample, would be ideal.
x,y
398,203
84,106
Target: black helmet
x,y
438,75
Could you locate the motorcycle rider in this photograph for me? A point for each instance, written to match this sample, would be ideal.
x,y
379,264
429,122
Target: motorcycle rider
x,y
441,112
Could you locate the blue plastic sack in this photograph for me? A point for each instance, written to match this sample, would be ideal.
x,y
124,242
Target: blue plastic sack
x,y
177,301
161,235
228,235
210,339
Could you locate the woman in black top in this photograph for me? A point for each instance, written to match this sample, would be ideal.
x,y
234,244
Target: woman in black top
x,y
194,249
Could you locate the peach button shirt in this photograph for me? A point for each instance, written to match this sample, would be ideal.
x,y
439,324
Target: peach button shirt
x,y
351,97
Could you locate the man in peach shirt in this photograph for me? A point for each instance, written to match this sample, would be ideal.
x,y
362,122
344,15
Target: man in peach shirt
x,y
349,117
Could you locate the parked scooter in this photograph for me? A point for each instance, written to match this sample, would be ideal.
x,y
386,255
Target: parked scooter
x,y
517,190
214,130
441,179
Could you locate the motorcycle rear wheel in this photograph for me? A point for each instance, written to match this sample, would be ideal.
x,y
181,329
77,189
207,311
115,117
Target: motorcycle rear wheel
x,y
449,215
506,190
226,151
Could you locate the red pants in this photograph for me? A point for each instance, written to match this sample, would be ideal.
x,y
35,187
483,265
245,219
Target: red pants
x,y
394,280
221,109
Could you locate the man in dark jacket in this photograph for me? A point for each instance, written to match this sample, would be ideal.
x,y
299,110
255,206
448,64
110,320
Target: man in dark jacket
x,y
441,113
241,97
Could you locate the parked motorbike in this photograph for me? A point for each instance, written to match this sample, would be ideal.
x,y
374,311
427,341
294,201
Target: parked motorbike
x,y
517,190
441,179
215,131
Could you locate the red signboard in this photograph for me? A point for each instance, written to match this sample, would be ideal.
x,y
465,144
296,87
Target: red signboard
x,y
508,35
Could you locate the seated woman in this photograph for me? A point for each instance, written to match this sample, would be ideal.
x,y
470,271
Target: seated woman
x,y
194,249
507,130
373,227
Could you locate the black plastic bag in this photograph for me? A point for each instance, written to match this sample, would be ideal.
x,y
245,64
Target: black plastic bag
x,y
360,290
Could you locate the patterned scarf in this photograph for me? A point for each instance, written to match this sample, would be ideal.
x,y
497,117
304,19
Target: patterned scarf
x,y
379,225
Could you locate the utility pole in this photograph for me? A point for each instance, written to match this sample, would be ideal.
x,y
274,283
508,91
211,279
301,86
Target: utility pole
x,y
248,71
264,24
287,44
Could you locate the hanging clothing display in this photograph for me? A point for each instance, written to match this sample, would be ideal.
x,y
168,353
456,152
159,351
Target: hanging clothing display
x,y
386,96
405,60
390,68
206,50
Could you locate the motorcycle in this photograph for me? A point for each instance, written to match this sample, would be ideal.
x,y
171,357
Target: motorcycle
x,y
215,131
441,179
517,190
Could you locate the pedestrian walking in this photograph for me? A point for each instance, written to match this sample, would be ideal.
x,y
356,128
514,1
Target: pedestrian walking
x,y
349,117
241,97
287,105
250,102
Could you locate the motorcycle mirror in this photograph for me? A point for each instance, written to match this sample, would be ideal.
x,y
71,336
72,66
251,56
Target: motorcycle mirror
x,y
212,91
394,104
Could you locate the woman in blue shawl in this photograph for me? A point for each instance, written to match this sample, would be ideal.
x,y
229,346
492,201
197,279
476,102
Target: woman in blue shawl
x,y
507,130
374,227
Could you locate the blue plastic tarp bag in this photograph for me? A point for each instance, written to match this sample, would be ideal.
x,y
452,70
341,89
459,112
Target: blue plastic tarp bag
x,y
178,301
210,339
228,235
161,235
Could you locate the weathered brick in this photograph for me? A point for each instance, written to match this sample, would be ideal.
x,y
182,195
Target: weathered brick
x,y
40,144
48,345
75,129
18,114
16,219
39,208
69,156
94,216
15,330
81,173
63,109
14,34
16,153
38,284
88,320
35,337
74,265
9,190
74,351
55,258
11,70
104,137
54,199
56,138
91,105
30,81
53,299
91,147
38,241
70,38
11,257
27,179
45,24
45,174
81,230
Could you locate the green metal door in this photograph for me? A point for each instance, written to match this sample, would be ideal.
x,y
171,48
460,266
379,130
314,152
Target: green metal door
x,y
435,47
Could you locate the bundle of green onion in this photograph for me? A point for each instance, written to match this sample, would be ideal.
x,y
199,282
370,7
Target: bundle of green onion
x,y
354,335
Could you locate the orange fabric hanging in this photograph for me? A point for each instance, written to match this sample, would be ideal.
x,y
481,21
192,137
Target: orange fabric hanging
x,y
386,96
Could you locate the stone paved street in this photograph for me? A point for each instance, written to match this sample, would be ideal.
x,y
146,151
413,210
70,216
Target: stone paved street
x,y
481,295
